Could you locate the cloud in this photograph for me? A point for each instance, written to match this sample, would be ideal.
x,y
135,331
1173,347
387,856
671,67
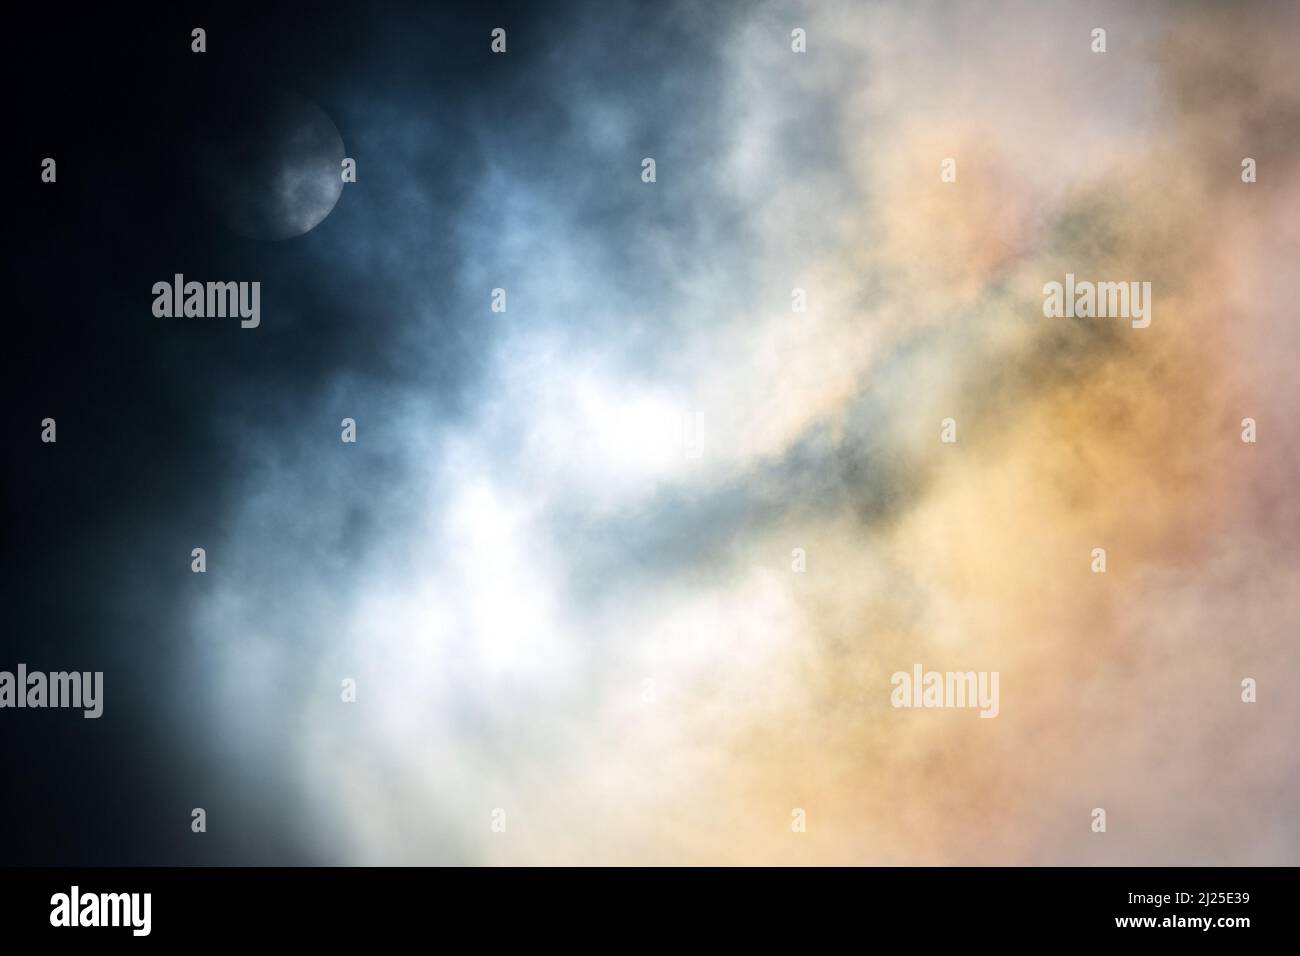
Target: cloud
x,y
509,555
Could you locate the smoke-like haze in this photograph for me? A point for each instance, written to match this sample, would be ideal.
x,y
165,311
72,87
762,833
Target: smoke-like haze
x,y
558,561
